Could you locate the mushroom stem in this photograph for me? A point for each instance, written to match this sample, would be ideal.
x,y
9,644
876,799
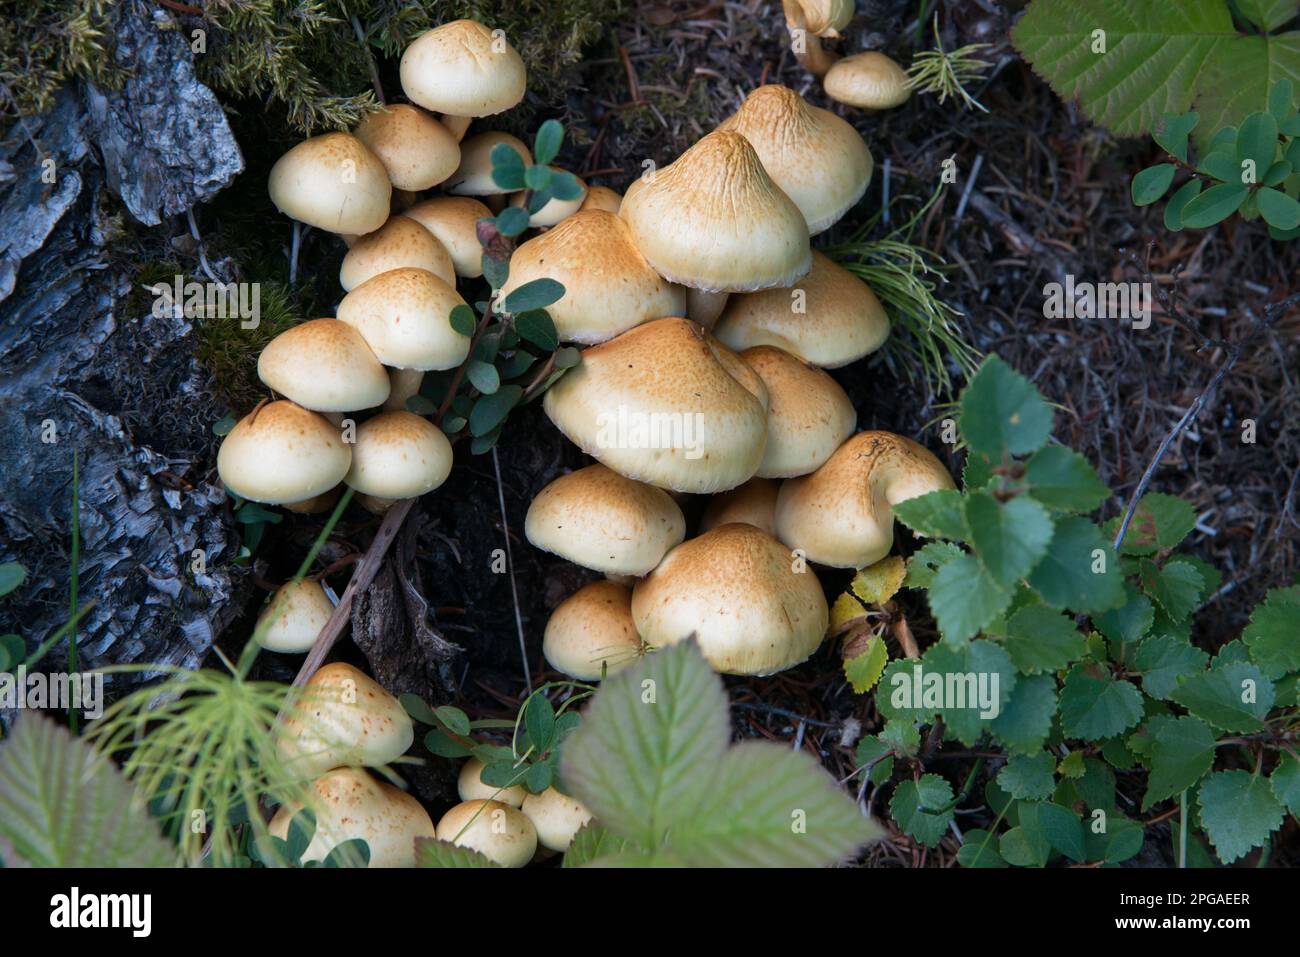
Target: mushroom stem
x,y
807,46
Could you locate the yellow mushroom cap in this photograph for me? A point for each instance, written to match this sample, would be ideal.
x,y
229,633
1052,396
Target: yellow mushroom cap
x,y
417,150
829,318
554,210
399,455
840,515
753,503
498,831
463,68
666,404
401,243
590,629
608,285
819,160
294,617
404,316
556,816
474,175
324,365
600,520
344,718
869,80
453,220
602,197
735,588
281,452
808,414
334,182
470,786
350,804
715,220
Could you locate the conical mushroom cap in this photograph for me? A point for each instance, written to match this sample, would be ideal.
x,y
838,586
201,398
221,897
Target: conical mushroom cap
x,y
753,503
417,150
869,80
350,804
556,816
399,455
840,515
401,243
324,365
818,159
735,589
281,453
334,182
498,831
590,629
715,220
608,285
344,719
294,617
462,68
453,220
808,414
405,317
829,318
666,404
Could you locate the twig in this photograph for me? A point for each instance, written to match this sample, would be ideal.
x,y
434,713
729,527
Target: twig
x,y
510,564
370,60
970,185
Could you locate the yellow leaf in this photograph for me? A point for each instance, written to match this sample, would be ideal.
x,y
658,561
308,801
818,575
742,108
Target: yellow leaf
x,y
878,583
845,609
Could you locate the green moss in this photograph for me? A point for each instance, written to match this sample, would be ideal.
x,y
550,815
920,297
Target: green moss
x,y
230,351
45,43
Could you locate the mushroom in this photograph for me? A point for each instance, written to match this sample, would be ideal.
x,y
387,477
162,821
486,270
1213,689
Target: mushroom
x,y
349,804
374,504
470,786
820,161
399,455
591,632
752,607
753,503
453,220
600,520
317,503
281,452
714,219
869,80
333,182
810,20
602,197
808,414
840,515
404,316
294,617
554,210
829,318
324,365
665,403
608,285
464,69
474,175
499,832
343,718
416,149
705,307
401,243
403,384
556,816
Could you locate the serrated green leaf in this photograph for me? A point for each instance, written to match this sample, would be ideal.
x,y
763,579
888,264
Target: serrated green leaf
x,y
1182,752
864,670
965,598
1238,812
1094,705
432,852
1152,183
1273,635
1026,719
593,842
1061,478
1233,697
921,808
1008,537
925,564
974,666
1040,639
937,514
1285,781
1002,412
1177,587
1079,570
876,753
1163,660
894,697
1030,776
903,738
1214,205
1130,622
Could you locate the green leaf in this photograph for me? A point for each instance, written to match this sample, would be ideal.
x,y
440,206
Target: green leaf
x,y
1214,205
1273,635
1025,721
13,651
1029,777
1285,781
511,221
491,410
351,853
63,804
1278,209
593,842
1257,142
431,852
1121,839
539,722
1040,639
1128,623
1221,164
444,746
986,662
1002,412
1269,15
1238,811
1172,131
864,670
536,294
979,849
1177,586
1153,182
1061,478
921,808
936,514
1234,697
463,320
1010,537
1182,752
1079,571
1094,705
1061,826
12,574
1164,660
566,187
495,271
546,144
455,720
1159,522
483,376
965,598
894,696
537,178
302,828
567,358
1178,202
507,167
873,750
1279,95
538,328
925,564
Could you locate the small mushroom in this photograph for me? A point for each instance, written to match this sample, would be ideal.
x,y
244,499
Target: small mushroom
x,y
294,617
808,21
602,197
474,175
554,210
334,182
401,243
498,831
464,69
281,452
343,718
399,455
417,150
753,503
404,316
453,220
556,816
471,787
840,515
349,804
869,80
591,632
808,414
324,365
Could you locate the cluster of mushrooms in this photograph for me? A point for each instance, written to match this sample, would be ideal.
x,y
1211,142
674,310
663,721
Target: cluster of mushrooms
x,y
869,80
704,313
